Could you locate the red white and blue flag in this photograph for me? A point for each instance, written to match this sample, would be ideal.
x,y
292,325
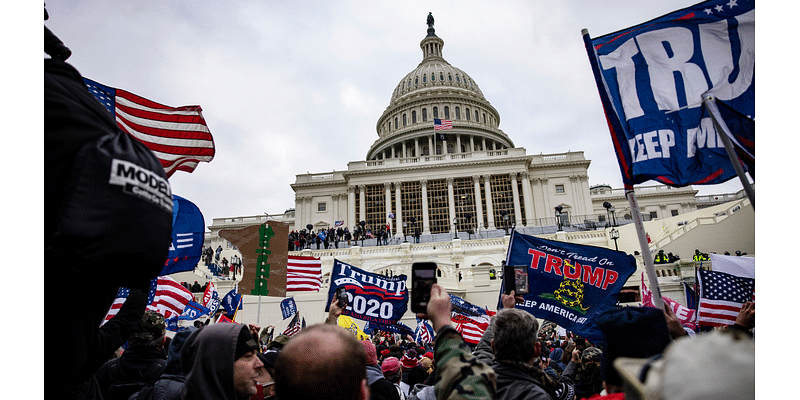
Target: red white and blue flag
x,y
471,320
168,297
653,78
303,274
424,333
442,124
178,136
295,326
122,295
722,296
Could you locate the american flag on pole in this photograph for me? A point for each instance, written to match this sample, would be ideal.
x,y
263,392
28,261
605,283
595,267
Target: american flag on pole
x,y
303,274
168,297
722,296
295,326
178,136
122,295
442,124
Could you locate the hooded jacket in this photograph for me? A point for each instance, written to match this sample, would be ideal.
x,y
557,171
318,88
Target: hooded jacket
x,y
207,359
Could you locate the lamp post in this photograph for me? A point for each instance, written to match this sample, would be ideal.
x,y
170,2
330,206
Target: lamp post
x,y
468,216
558,217
504,213
455,228
363,231
405,225
615,236
610,210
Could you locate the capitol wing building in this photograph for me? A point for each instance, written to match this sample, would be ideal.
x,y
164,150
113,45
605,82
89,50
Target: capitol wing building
x,y
463,189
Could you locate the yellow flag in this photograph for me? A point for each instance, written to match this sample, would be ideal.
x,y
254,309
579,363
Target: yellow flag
x,y
348,323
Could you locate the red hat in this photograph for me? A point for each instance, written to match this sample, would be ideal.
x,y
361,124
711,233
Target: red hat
x,y
384,352
372,358
408,362
390,365
429,355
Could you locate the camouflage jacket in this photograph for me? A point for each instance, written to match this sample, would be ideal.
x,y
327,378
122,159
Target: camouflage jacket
x,y
459,375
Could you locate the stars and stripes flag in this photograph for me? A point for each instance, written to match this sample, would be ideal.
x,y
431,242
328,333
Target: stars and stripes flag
x,y
471,320
722,296
122,295
168,297
295,326
303,274
178,136
424,332
442,124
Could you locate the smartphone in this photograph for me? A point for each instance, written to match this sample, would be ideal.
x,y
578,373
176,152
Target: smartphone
x,y
423,276
515,277
341,296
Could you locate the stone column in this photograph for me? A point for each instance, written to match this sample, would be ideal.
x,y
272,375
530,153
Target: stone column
x,y
471,143
404,150
416,147
309,211
515,193
335,208
476,180
426,223
451,203
546,197
351,207
399,210
527,196
362,201
298,213
431,149
458,143
576,195
387,190
489,211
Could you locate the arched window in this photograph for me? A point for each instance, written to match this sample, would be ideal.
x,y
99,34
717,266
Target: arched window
x,y
476,116
426,150
413,117
466,113
484,118
450,148
424,78
404,120
458,79
435,112
446,112
424,114
458,113
396,125
416,80
441,76
450,77
433,77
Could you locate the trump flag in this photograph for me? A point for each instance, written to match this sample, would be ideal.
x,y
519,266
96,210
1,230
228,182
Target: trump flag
x,y
570,283
370,297
652,80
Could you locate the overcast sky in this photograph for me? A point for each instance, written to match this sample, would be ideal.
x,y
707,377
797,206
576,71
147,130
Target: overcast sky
x,y
289,87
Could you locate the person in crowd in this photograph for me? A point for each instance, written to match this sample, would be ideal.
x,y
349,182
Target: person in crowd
x,y
220,362
140,365
511,344
393,371
348,236
170,384
196,288
698,256
555,359
585,374
661,258
266,375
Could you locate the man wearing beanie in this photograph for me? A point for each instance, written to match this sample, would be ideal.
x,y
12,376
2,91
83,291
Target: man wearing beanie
x,y
220,363
636,332
393,371
379,386
140,365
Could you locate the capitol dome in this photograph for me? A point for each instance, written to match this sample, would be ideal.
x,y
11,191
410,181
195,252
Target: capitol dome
x,y
436,90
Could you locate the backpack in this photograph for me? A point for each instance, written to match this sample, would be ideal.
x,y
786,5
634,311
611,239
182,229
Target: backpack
x,y
123,387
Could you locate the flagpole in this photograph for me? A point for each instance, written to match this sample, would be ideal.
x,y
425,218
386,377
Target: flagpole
x,y
724,135
648,258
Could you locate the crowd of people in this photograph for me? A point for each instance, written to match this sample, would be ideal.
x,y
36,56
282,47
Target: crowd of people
x,y
517,358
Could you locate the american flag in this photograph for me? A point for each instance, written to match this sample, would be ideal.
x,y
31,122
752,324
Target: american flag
x,y
471,320
168,297
122,295
424,332
722,296
178,136
294,326
303,274
442,124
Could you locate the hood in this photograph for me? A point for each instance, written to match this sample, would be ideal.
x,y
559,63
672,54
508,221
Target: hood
x,y
207,359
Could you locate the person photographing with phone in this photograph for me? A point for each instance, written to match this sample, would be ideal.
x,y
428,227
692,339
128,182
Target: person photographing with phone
x,y
453,356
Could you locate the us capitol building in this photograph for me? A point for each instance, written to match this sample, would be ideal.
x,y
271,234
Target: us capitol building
x,y
465,190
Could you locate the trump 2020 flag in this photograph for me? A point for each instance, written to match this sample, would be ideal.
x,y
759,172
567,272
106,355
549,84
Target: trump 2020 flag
x,y
211,298
370,297
288,307
424,332
178,136
232,302
652,79
570,283
188,230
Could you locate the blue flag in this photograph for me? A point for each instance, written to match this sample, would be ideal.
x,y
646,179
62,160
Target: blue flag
x,y
232,302
188,230
569,283
424,332
652,79
288,307
371,297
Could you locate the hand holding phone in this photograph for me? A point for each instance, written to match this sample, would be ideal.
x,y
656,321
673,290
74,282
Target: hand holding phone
x,y
515,277
341,297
